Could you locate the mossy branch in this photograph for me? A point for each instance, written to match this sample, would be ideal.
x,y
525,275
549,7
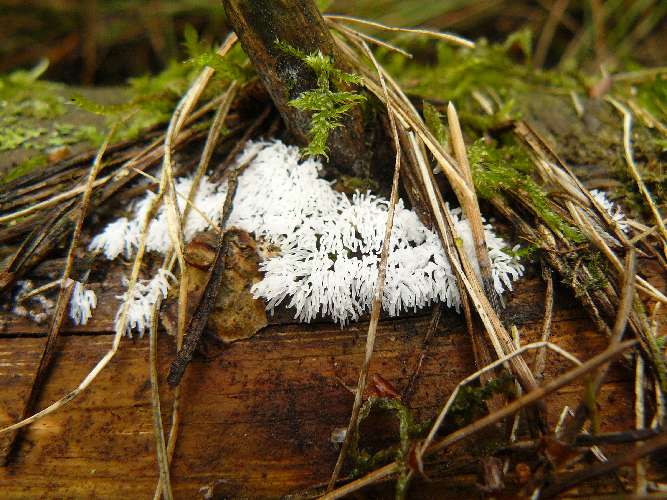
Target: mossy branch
x,y
326,105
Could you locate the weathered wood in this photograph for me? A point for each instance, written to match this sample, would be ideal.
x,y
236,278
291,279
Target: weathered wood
x,y
257,416
259,24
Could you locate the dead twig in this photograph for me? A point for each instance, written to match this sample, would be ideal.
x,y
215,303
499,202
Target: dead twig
x,y
634,454
457,436
66,288
202,311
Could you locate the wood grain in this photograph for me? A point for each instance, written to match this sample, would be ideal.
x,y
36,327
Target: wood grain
x,y
257,415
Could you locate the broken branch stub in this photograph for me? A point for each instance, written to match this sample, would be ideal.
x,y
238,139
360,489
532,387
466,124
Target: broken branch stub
x,y
299,24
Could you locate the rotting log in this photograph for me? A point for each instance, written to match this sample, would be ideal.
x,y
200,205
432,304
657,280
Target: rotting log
x,y
259,24
257,416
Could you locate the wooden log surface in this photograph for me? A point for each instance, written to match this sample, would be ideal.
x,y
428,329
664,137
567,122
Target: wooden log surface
x,y
256,416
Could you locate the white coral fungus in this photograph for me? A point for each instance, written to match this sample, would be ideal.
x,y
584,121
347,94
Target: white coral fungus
x,y
329,243
81,304
612,209
140,304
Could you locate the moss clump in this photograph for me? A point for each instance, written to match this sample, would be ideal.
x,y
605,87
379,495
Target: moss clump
x,y
153,97
327,104
233,66
507,169
499,73
33,118
26,100
24,168
434,123
470,402
349,184
595,278
408,430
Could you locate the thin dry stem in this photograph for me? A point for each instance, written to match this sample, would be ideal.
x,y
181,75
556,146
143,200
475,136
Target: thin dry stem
x,y
382,43
498,336
540,359
471,378
55,200
457,436
458,40
161,451
471,209
632,166
183,109
376,306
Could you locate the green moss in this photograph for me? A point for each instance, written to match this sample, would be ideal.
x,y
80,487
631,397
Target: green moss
x,y
501,73
470,402
596,278
507,169
349,184
23,95
233,66
16,136
434,123
652,95
364,460
153,97
327,105
24,100
24,168
32,114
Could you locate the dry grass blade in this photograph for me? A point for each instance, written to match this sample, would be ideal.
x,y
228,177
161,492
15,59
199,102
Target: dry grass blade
x,y
209,147
66,286
189,205
471,209
121,325
408,118
540,359
471,378
178,119
352,32
161,450
500,339
629,158
457,436
435,34
376,306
